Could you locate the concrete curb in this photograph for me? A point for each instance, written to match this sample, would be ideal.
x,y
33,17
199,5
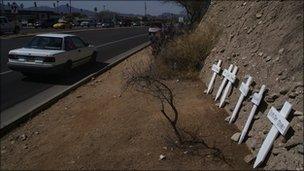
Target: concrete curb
x,y
27,115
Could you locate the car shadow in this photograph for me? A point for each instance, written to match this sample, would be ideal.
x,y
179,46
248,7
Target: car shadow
x,y
76,75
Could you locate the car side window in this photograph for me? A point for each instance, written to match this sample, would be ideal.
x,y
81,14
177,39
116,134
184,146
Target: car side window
x,y
78,42
69,44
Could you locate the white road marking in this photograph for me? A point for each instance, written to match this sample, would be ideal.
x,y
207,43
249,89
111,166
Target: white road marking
x,y
6,72
109,43
98,46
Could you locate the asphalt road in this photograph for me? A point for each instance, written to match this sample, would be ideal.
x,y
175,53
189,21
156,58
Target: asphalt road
x,y
110,42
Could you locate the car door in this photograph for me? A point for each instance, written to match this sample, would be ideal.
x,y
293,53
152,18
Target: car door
x,y
84,51
72,52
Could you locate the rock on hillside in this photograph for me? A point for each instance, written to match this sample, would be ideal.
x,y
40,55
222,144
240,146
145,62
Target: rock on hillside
x,y
265,40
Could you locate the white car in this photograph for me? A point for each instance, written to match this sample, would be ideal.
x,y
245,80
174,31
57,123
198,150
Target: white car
x,y
51,54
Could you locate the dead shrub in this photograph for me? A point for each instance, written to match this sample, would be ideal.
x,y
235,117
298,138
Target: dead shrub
x,y
143,78
183,56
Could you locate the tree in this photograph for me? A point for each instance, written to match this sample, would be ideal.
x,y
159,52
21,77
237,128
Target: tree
x,y
106,15
194,8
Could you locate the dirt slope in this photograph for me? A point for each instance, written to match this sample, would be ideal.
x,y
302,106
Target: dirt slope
x,y
265,40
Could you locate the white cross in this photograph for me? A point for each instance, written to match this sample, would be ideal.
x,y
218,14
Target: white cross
x,y
244,88
280,125
231,79
223,83
216,70
256,99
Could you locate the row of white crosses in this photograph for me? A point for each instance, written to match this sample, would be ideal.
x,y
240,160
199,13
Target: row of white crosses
x,y
278,119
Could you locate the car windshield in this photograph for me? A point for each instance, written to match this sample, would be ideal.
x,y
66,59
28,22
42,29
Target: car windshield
x,y
49,43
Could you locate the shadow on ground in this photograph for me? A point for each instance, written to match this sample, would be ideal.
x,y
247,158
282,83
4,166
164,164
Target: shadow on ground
x,y
76,75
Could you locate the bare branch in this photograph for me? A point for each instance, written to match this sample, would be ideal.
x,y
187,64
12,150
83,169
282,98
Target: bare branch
x,y
146,81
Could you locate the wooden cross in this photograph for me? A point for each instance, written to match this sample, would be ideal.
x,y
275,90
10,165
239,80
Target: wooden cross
x,y
244,88
219,92
231,79
256,99
216,70
280,125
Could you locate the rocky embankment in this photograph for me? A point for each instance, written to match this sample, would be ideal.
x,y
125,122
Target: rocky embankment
x,y
265,40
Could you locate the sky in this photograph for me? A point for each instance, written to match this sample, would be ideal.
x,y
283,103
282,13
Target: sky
x,y
154,7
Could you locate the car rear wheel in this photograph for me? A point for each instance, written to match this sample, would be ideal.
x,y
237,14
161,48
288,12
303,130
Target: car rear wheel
x,y
67,68
93,57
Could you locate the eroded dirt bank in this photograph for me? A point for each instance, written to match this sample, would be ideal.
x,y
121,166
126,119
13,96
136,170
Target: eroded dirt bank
x,y
265,40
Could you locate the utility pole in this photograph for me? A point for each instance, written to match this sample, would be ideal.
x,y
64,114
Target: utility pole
x,y
57,6
145,8
70,6
2,6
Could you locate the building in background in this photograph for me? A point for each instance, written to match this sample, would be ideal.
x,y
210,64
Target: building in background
x,y
30,16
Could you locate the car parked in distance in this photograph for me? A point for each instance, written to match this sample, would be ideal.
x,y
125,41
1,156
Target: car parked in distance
x,y
88,23
48,23
62,25
51,54
30,25
134,24
99,24
108,24
155,27
125,23
7,26
24,23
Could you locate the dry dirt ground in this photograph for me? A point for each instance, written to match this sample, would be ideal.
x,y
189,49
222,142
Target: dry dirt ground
x,y
100,126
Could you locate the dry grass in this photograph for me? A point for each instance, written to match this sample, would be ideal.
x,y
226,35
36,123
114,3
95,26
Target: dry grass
x,y
183,56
